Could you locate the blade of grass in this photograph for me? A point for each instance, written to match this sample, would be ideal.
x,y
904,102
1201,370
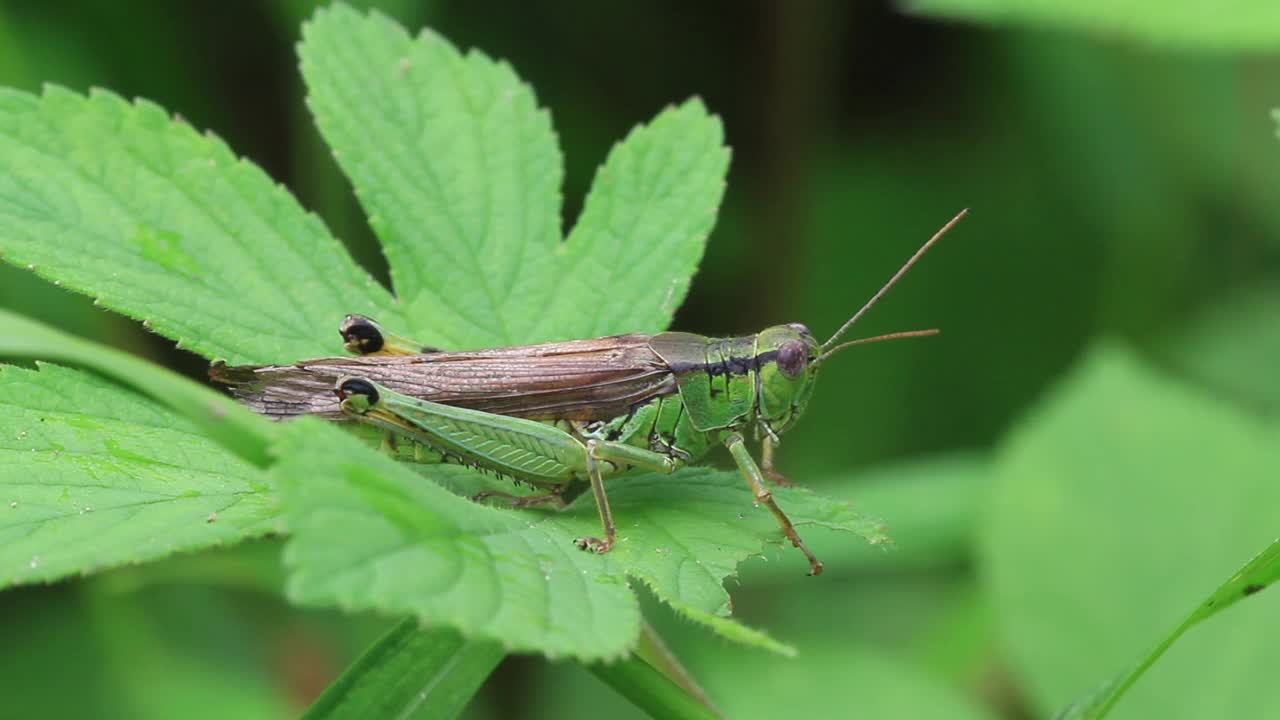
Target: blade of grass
x,y
1257,574
410,672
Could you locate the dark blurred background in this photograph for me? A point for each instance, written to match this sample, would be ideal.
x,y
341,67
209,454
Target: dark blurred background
x,y
1119,192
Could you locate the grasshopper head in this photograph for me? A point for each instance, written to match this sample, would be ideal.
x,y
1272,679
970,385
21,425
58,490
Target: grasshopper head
x,y
788,369
786,381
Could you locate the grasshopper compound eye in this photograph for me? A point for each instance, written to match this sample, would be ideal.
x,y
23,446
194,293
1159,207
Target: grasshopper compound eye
x,y
361,335
350,386
793,356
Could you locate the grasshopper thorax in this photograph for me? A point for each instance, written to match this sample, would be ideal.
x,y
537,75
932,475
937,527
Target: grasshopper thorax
x,y
786,360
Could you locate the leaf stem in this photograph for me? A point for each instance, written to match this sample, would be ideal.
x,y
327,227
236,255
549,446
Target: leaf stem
x,y
234,427
654,650
651,691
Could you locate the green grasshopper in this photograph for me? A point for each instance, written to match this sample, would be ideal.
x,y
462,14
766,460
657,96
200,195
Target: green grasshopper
x,y
561,414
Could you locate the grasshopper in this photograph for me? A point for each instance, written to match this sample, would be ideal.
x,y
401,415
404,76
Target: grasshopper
x,y
561,414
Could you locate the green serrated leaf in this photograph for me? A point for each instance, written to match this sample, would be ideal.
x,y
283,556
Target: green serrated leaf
x,y
371,534
460,173
626,266
410,673
1243,24
1114,448
456,165
131,205
92,476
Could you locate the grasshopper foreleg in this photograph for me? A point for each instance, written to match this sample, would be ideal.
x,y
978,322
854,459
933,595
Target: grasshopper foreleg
x,y
755,478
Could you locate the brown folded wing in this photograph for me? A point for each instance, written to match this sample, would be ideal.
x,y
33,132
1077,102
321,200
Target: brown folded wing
x,y
595,379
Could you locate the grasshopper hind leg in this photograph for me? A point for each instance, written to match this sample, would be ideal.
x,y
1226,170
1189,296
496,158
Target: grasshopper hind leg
x,y
555,498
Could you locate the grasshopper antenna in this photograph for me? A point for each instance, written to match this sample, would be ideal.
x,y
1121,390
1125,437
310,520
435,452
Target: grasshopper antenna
x,y
878,338
880,293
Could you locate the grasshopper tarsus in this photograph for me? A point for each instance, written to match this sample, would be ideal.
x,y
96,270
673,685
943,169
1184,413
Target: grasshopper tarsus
x,y
594,544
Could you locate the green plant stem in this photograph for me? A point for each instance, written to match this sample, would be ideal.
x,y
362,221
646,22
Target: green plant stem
x,y
651,691
653,649
235,428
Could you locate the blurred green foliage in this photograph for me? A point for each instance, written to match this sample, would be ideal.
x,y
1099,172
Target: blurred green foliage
x,y
1130,480
1241,24
1057,509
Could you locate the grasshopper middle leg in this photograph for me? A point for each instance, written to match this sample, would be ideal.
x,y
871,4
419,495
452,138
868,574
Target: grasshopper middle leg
x,y
595,544
602,451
